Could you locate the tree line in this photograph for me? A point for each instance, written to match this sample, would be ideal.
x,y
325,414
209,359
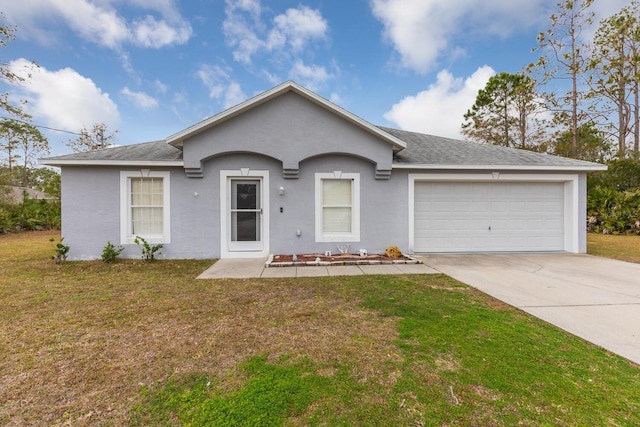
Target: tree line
x,y
580,99
21,144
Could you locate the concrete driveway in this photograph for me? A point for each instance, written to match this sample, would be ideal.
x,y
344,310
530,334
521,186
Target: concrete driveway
x,y
594,298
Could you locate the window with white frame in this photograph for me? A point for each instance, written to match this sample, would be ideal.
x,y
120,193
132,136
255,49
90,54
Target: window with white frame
x,y
144,206
337,207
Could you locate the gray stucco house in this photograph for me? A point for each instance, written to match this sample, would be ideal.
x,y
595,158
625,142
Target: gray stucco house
x,y
290,172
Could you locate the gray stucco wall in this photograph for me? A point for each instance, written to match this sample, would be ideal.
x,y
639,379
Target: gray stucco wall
x,y
383,208
290,129
91,214
91,208
298,204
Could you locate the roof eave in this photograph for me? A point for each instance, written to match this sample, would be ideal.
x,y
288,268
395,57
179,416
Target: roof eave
x,y
150,163
177,139
566,168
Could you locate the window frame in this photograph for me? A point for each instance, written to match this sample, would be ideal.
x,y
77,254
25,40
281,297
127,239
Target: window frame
x,y
126,235
321,235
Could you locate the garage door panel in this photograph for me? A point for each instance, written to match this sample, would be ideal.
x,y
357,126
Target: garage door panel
x,y
500,206
478,224
479,206
460,207
442,206
480,217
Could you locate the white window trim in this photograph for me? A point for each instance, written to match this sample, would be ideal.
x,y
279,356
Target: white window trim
x,y
571,197
354,236
126,236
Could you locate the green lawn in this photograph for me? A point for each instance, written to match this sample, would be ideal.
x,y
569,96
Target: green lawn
x,y
133,343
624,248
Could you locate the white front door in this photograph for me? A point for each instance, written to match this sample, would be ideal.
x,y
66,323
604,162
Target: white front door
x,y
244,213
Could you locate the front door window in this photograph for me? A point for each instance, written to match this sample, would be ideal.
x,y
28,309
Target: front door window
x,y
245,210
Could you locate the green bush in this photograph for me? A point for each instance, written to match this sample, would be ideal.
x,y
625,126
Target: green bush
x,y
30,215
613,198
61,250
621,175
110,252
149,252
613,212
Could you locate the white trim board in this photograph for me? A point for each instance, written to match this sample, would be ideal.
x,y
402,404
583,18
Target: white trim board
x,y
524,168
160,163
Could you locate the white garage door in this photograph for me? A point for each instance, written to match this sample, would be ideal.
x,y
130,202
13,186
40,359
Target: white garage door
x,y
488,217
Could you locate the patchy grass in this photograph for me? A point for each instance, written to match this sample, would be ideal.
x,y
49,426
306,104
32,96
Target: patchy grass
x,y
624,248
133,343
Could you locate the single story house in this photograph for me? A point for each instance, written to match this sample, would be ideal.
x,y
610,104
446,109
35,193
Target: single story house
x,y
17,194
290,172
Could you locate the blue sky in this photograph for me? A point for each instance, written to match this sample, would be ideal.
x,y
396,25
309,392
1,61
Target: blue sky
x,y
150,68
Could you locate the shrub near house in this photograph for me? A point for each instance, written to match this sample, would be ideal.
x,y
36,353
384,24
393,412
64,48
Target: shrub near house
x,y
28,214
613,201
613,212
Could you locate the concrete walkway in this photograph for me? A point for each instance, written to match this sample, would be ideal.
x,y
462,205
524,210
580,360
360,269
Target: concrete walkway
x,y
255,268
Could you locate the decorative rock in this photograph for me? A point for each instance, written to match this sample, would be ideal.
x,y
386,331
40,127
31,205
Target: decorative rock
x,y
275,261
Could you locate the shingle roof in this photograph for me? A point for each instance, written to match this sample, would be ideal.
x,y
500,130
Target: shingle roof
x,y
16,194
422,150
434,150
155,151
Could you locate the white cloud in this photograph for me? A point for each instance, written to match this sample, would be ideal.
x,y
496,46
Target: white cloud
x,y
248,35
180,102
233,95
601,10
127,65
604,9
253,7
335,98
310,76
140,99
97,24
215,78
440,109
100,22
220,84
297,27
63,99
160,87
241,37
149,32
423,31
